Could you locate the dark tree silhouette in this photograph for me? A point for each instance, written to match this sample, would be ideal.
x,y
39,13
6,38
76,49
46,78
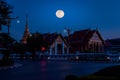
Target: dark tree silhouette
x,y
5,19
35,43
5,11
18,48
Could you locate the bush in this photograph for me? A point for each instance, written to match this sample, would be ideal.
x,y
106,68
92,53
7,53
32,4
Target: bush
x,y
71,77
5,62
109,71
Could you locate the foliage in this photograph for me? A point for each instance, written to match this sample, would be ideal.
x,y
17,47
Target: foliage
x,y
109,73
5,39
6,42
5,62
71,77
35,43
18,48
94,77
5,11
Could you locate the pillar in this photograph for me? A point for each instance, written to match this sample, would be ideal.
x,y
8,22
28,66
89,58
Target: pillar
x,y
95,47
55,48
63,50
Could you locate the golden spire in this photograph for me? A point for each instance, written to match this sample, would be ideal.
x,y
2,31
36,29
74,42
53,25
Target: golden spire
x,y
26,32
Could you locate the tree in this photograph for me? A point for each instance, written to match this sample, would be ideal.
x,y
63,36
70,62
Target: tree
x,y
18,48
5,11
35,43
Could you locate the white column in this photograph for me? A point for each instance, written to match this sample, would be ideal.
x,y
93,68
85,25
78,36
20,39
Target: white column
x,y
63,51
50,50
55,48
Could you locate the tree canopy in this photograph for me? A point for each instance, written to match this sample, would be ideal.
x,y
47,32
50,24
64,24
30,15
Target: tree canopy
x,y
36,42
5,11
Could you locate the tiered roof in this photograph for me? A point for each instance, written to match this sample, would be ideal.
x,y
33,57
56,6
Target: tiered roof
x,y
83,36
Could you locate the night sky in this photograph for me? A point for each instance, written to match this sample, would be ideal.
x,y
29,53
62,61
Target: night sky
x,y
79,14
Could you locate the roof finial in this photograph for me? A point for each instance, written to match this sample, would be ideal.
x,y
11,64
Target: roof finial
x,y
26,19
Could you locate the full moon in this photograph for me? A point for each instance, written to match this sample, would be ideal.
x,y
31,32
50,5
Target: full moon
x,y
59,13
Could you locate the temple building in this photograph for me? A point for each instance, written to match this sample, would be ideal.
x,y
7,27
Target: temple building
x,y
87,40
82,41
26,32
56,44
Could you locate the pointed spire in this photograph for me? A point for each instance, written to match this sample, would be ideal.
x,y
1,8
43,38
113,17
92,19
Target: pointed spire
x,y
27,20
26,32
26,29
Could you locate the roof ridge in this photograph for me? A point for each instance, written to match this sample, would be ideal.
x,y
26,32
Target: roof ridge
x,y
86,34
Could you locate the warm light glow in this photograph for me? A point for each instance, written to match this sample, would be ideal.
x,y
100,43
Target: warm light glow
x,y
43,49
60,13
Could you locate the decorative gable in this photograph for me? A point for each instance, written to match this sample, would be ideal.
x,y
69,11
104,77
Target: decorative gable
x,y
95,38
59,40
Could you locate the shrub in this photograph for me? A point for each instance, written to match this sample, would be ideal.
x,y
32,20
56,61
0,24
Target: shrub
x,y
71,77
5,62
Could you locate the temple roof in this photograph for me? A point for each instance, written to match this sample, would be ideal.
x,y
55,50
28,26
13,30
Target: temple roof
x,y
83,36
50,38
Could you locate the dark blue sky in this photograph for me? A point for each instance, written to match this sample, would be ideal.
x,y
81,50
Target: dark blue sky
x,y
79,14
